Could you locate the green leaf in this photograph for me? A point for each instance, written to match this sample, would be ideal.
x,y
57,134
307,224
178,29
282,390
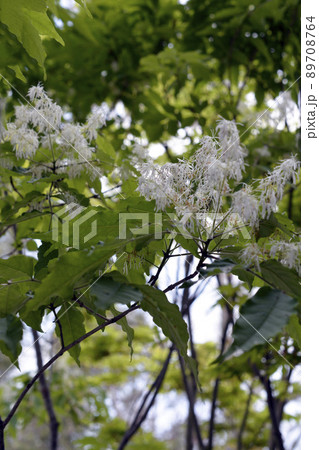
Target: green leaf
x,y
188,244
44,25
220,265
17,267
18,72
168,317
28,21
66,271
267,226
294,329
10,336
72,324
108,292
281,277
261,318
243,275
34,319
45,254
13,297
84,6
126,328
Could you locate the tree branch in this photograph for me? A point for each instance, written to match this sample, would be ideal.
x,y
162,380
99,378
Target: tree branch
x,y
14,188
59,354
244,421
139,417
210,444
265,380
56,320
2,446
167,255
191,403
45,391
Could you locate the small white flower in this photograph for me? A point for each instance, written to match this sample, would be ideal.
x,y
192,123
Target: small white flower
x,y
251,254
24,140
288,253
36,92
246,205
140,151
37,170
46,116
263,152
6,163
74,168
22,115
36,206
272,187
95,121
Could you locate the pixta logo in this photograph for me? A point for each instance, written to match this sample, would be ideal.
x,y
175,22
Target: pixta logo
x,y
214,224
61,220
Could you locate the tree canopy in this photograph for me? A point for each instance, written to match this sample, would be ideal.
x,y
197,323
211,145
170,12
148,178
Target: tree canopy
x,y
149,163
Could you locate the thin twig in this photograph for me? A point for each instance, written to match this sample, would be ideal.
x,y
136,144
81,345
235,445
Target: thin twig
x,y
14,188
56,320
244,420
139,417
167,255
211,428
191,403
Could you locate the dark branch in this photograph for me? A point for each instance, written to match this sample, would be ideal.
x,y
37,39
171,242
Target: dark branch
x,y
140,416
265,380
191,403
45,391
14,188
211,429
56,320
2,446
167,255
244,420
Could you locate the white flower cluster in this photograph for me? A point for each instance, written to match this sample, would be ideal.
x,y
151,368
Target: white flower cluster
x,y
251,255
197,185
39,126
288,253
201,183
271,188
206,182
246,205
133,262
